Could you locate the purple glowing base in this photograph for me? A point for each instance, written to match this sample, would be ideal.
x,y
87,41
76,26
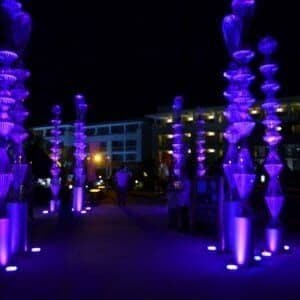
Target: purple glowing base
x,y
243,252
54,206
18,213
274,239
4,241
78,199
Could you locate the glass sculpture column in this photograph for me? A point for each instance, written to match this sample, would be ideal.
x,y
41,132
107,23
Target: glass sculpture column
x,y
55,157
17,206
238,166
79,154
7,81
200,145
178,138
274,197
16,34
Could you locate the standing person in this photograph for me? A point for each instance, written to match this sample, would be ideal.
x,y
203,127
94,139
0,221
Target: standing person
x,y
183,203
65,209
28,190
122,181
172,205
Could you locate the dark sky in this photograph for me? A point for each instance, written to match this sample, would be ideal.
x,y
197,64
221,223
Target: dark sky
x,y
128,57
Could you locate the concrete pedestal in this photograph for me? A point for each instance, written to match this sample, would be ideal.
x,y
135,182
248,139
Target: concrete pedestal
x,y
5,252
243,248
18,215
78,195
274,239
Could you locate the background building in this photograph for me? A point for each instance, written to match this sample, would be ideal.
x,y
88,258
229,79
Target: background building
x,y
109,144
149,140
289,112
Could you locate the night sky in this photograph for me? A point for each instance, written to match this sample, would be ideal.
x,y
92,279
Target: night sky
x,y
128,57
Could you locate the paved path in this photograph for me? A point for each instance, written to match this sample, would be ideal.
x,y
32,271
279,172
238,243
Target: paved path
x,y
115,253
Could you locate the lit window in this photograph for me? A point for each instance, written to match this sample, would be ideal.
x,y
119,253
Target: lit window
x,y
190,119
211,133
254,111
170,136
169,120
278,128
211,150
211,116
280,109
188,134
170,152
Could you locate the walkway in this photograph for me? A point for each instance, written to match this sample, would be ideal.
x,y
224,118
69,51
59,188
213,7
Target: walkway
x,y
114,253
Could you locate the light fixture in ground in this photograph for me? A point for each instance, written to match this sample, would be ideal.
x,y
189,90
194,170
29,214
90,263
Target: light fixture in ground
x,y
266,254
257,258
232,267
11,269
212,248
36,250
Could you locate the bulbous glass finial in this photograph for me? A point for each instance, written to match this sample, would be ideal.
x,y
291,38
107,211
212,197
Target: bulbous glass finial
x,y
232,30
268,46
243,8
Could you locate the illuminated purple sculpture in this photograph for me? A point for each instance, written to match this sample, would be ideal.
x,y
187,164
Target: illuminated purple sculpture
x,y
17,32
238,167
178,138
274,197
80,153
19,134
55,157
200,145
7,81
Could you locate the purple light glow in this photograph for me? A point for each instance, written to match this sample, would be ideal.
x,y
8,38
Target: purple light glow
x,y
45,212
4,241
243,241
273,239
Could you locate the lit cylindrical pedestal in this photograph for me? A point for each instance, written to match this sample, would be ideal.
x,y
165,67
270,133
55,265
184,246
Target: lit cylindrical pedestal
x,y
5,252
78,199
230,209
54,206
274,239
18,216
243,241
